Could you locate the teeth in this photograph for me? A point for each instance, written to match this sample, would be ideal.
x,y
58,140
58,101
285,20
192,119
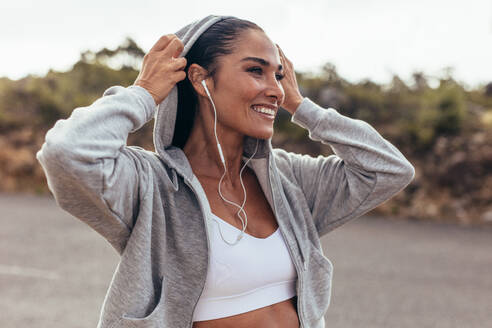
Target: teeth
x,y
264,110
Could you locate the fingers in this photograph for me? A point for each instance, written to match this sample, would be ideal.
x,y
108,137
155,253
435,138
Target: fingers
x,y
279,49
162,42
179,63
174,48
170,46
280,52
179,76
282,55
180,47
172,51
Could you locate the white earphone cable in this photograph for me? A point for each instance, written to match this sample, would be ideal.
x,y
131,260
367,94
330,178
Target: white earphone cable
x,y
241,208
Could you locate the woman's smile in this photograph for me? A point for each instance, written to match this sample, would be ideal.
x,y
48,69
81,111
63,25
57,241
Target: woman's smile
x,y
265,112
249,78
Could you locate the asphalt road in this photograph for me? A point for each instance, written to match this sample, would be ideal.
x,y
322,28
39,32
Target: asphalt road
x,y
54,271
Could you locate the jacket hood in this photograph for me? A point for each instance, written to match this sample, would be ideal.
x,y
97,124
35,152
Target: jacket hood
x,y
165,116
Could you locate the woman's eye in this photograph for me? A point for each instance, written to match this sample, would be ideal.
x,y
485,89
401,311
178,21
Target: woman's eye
x,y
259,70
255,70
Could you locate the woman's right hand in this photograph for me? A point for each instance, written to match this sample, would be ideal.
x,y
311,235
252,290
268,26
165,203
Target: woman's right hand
x,y
161,68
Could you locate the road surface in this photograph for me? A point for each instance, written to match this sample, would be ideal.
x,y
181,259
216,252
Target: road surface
x,y
55,270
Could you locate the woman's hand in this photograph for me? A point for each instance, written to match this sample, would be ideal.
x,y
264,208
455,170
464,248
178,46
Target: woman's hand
x,y
161,68
293,97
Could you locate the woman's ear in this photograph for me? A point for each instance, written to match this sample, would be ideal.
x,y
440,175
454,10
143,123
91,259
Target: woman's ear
x,y
196,74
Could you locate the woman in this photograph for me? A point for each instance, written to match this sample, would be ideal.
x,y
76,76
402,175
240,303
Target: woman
x,y
194,252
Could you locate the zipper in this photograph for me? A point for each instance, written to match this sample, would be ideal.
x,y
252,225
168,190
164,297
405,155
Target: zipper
x,y
299,278
208,252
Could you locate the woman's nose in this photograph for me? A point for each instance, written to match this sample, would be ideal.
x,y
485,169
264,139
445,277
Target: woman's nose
x,y
274,89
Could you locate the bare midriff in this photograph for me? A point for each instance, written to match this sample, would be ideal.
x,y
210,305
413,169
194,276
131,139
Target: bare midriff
x,y
278,315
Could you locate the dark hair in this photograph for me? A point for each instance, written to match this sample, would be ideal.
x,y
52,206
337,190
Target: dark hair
x,y
218,40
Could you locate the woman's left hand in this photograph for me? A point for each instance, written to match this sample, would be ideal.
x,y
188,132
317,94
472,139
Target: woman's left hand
x,y
293,97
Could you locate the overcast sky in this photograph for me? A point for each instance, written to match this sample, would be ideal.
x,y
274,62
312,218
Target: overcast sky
x,y
362,38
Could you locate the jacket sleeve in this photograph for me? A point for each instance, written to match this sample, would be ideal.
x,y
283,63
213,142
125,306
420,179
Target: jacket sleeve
x,y
364,171
91,172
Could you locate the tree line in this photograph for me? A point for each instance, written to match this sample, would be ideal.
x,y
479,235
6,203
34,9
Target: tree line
x,y
444,129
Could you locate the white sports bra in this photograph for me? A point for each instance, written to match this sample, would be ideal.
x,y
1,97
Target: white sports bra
x,y
254,273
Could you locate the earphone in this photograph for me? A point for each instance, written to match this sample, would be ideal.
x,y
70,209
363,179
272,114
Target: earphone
x,y
241,208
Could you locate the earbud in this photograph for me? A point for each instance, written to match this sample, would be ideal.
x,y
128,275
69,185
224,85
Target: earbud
x,y
206,89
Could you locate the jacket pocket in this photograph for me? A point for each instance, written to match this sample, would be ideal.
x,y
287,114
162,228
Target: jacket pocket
x,y
155,319
317,286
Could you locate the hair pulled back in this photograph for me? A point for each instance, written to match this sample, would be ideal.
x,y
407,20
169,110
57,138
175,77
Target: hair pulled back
x,y
218,40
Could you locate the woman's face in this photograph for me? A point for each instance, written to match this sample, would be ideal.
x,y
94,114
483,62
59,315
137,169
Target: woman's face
x,y
247,82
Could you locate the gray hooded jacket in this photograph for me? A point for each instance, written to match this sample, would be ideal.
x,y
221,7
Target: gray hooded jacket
x,y
152,209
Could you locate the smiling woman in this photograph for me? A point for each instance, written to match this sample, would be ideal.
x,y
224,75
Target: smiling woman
x,y
221,40
191,255
241,98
